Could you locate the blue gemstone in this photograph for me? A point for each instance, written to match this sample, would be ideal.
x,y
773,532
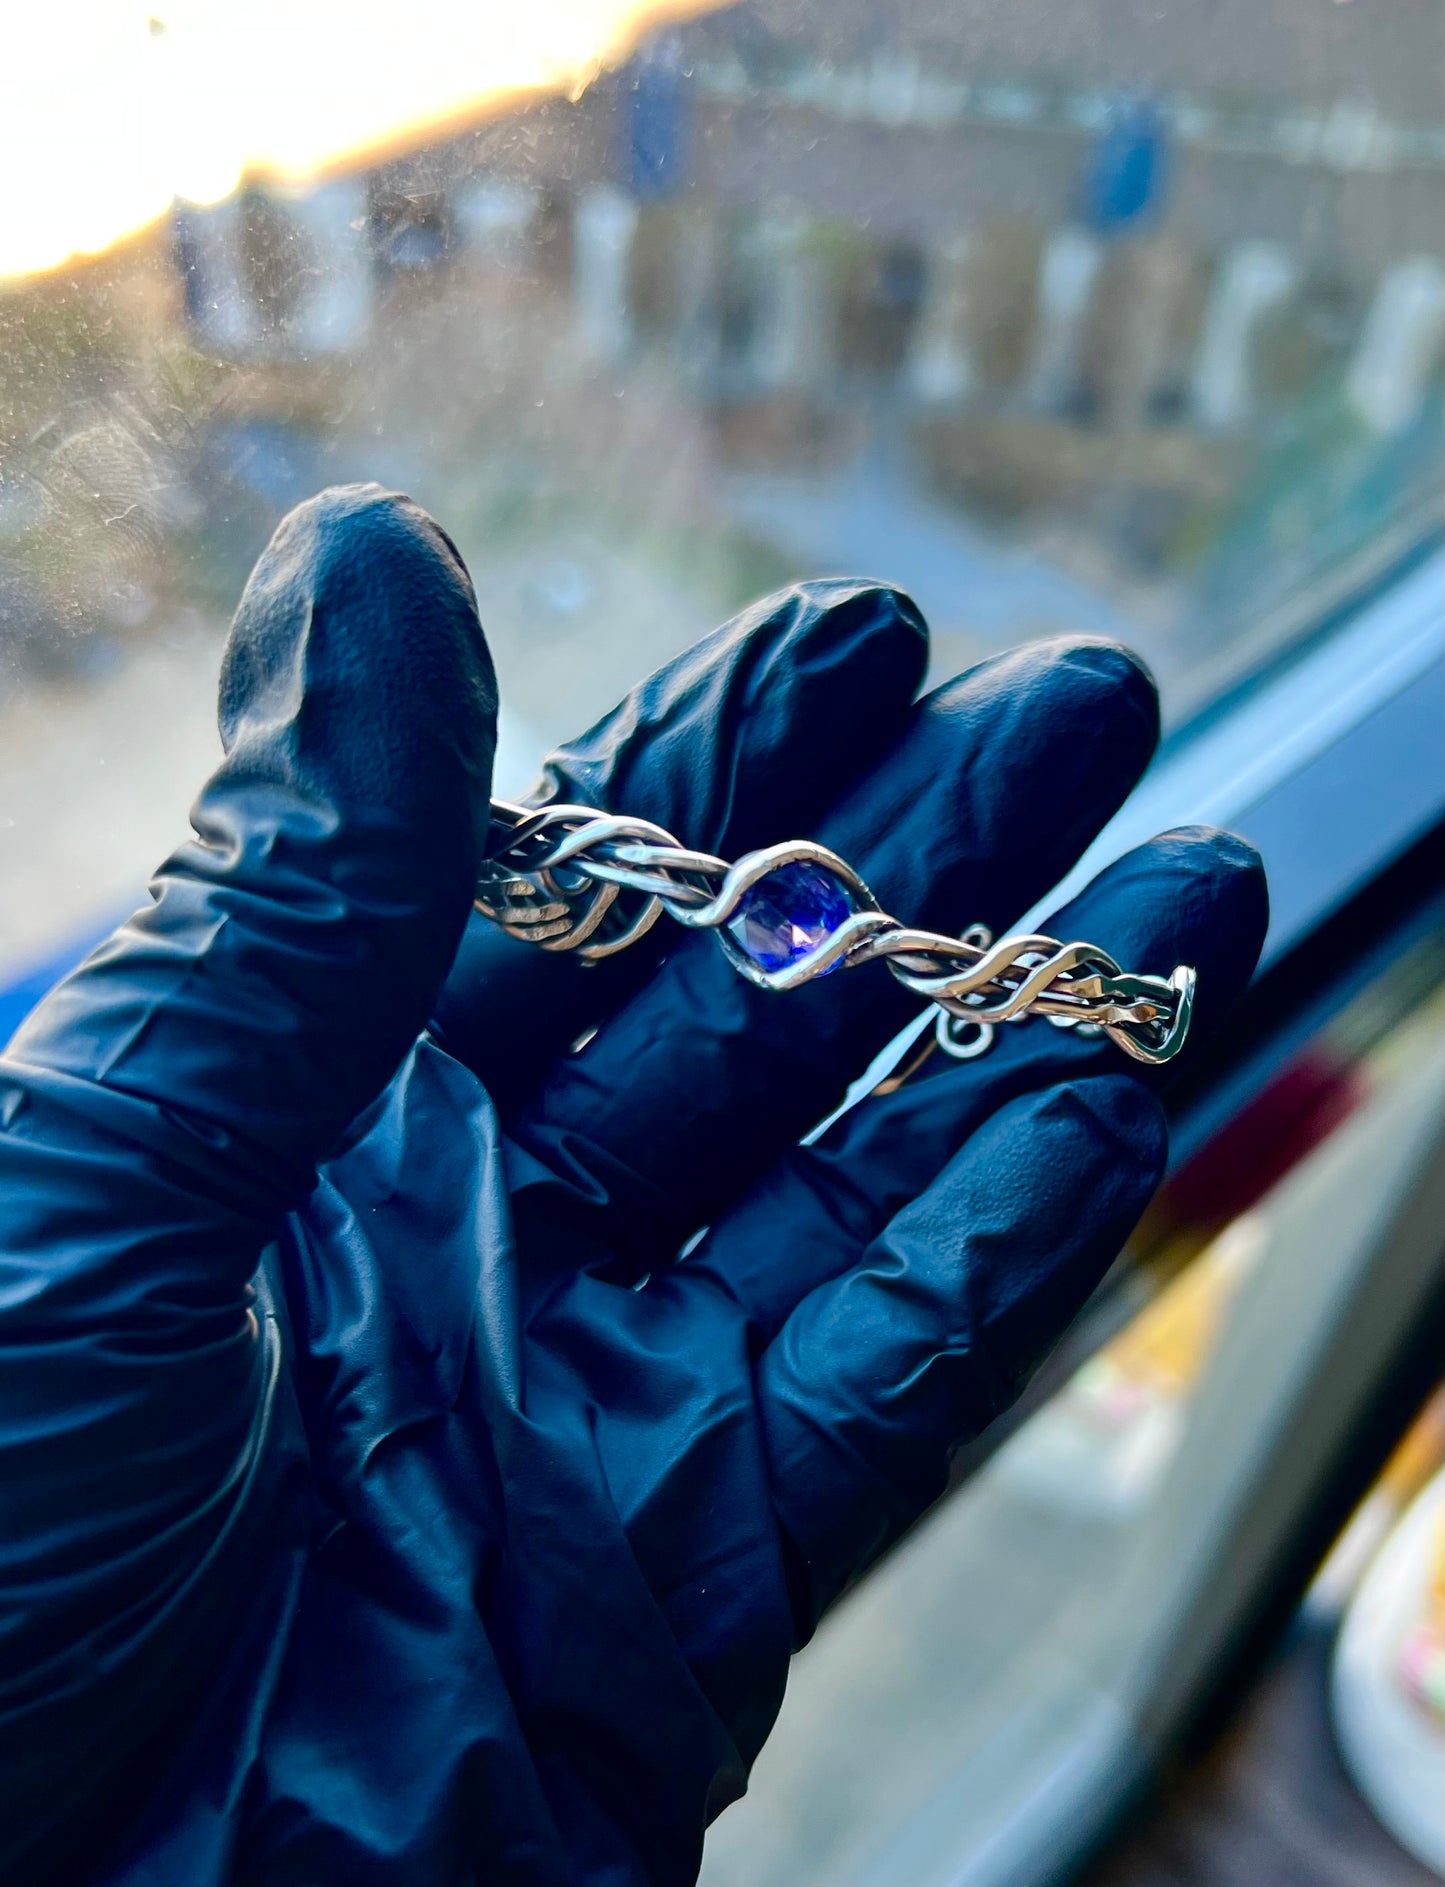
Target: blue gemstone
x,y
787,914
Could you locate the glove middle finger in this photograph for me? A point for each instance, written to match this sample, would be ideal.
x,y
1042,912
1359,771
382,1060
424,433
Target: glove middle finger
x,y
999,781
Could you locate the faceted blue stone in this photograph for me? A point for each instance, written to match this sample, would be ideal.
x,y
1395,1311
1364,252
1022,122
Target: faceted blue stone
x,y
787,914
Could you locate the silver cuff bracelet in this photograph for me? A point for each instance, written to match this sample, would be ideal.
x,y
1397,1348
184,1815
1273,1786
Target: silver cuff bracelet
x,y
793,912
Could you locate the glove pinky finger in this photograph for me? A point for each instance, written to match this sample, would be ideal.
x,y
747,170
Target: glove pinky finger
x,y
878,1373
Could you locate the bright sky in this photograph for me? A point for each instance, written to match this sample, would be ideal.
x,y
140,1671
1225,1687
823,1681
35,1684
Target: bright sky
x,y
111,108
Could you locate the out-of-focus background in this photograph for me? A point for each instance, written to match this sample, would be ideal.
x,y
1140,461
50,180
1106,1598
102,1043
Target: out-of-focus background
x,y
1063,314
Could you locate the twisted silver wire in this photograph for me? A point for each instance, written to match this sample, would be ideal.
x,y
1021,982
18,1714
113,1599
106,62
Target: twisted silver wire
x,y
556,877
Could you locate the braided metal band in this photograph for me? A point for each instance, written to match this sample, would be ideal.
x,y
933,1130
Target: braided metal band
x,y
573,878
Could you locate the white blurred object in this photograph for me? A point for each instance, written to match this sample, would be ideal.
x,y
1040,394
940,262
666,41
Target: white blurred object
x,y
1393,1741
221,307
604,222
495,215
518,758
330,307
790,345
334,309
1103,1445
1252,281
1401,344
1067,278
939,369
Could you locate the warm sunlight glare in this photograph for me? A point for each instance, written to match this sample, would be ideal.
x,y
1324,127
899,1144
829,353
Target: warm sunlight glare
x,y
109,109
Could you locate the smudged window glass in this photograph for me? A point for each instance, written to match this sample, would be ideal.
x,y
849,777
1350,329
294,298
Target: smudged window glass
x,y
1087,316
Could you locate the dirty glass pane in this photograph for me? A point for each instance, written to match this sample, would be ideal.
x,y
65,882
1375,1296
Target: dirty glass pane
x,y
1083,315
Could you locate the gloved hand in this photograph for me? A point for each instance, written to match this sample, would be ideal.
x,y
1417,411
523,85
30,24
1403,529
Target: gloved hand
x,y
382,1499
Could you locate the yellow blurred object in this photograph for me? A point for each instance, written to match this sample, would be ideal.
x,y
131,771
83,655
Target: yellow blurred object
x,y
1102,1443
1416,1457
1168,1343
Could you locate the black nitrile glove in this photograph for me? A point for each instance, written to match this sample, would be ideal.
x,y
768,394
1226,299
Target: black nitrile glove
x,y
382,1501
